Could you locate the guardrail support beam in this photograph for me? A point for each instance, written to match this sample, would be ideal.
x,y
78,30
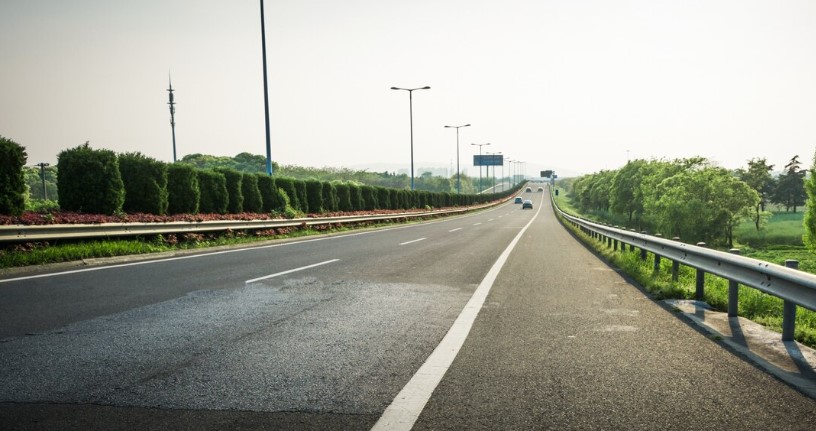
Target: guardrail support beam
x,y
789,310
733,292
675,264
699,291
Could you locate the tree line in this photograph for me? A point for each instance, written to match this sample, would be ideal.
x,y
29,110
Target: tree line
x,y
688,198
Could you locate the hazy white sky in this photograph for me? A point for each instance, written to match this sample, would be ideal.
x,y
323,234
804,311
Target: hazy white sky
x,y
571,85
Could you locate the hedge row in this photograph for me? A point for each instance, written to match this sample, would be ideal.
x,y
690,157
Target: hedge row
x,y
12,182
99,181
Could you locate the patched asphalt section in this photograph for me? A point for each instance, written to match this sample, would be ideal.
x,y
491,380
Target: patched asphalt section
x,y
287,353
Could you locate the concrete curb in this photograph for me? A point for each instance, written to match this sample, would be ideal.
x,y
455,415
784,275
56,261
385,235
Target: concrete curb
x,y
790,361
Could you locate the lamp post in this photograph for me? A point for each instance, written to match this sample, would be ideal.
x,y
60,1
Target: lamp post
x,y
458,183
266,95
480,166
411,113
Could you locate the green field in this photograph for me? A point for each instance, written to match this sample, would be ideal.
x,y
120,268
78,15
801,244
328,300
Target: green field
x,y
783,228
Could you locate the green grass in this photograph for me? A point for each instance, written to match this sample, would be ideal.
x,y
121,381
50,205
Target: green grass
x,y
40,254
783,228
753,304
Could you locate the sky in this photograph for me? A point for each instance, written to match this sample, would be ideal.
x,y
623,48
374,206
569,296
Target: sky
x,y
576,86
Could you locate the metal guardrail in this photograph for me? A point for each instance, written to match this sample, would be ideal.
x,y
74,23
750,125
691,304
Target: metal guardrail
x,y
17,233
793,286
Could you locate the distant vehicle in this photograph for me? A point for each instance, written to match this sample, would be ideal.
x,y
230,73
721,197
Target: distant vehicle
x,y
541,189
518,200
529,190
527,204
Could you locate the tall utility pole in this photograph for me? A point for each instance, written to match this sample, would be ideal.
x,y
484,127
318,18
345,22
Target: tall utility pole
x,y
266,96
172,104
42,177
458,182
411,118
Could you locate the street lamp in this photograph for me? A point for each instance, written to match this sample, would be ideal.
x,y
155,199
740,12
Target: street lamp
x,y
480,164
458,183
266,95
411,113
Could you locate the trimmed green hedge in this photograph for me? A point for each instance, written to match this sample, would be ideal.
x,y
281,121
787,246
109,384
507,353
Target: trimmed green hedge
x,y
145,181
213,191
314,195
182,189
270,194
369,195
234,190
89,181
288,186
12,180
303,200
343,197
252,195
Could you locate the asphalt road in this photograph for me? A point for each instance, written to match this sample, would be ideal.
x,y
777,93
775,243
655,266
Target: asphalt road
x,y
324,333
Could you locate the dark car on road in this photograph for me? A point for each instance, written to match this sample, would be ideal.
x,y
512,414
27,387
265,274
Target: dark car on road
x,y
527,204
518,200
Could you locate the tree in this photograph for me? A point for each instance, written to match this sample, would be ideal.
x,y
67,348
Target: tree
x,y
701,204
625,195
34,181
790,186
758,177
809,236
12,184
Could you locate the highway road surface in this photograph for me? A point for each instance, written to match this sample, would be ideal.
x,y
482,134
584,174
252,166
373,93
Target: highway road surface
x,y
495,320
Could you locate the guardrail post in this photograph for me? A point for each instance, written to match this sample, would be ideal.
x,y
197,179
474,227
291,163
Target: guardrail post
x,y
789,310
656,267
699,293
643,250
733,292
675,264
614,245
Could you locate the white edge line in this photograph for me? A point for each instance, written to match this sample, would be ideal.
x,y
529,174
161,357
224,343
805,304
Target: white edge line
x,y
290,271
416,240
205,254
403,412
454,230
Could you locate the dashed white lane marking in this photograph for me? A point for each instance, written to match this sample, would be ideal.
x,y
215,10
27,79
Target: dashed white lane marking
x,y
477,224
454,230
410,242
290,271
492,219
407,406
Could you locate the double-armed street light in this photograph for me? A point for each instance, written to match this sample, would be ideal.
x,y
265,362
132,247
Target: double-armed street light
x,y
411,114
458,182
480,165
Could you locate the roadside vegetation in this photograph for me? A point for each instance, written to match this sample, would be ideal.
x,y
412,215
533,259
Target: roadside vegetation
x,y
91,186
776,243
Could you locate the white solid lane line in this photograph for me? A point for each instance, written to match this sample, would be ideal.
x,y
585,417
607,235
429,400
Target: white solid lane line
x,y
290,271
409,403
409,242
454,230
